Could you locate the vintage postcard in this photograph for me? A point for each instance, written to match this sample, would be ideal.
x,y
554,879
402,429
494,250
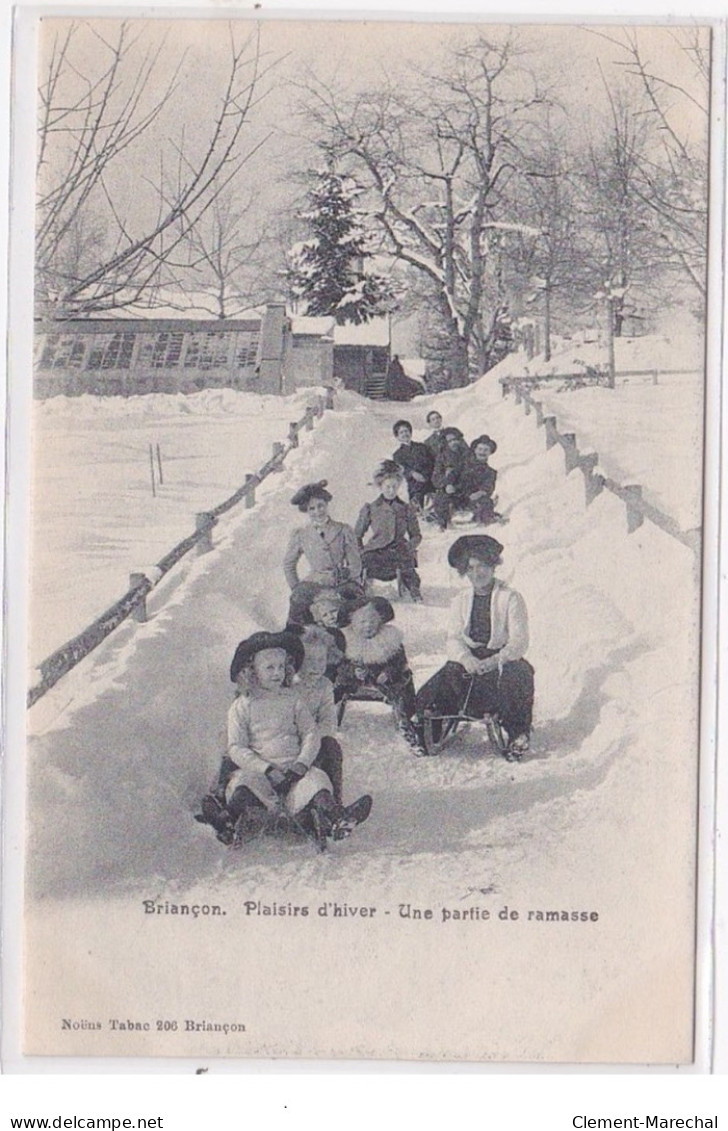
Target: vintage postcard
x,y
366,426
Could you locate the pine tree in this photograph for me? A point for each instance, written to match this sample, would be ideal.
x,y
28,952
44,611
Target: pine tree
x,y
328,270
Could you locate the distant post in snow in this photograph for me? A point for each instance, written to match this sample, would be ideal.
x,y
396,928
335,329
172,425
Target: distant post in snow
x,y
159,465
552,436
151,469
308,419
293,434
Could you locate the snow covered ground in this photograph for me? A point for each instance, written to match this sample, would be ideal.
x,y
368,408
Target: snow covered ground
x,y
598,817
95,519
645,433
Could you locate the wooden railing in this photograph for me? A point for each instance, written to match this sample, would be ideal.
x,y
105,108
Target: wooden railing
x,y
593,376
637,508
133,602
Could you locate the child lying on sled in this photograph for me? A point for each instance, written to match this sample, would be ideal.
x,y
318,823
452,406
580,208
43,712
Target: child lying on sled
x,y
273,745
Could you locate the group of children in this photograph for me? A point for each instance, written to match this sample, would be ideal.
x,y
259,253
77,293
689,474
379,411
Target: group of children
x,y
447,472
283,755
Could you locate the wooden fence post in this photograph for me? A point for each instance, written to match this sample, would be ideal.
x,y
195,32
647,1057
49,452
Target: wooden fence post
x,y
593,484
571,452
250,497
139,612
204,523
635,515
552,436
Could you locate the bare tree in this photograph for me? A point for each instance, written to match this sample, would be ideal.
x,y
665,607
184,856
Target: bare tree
x,y
436,158
673,167
226,263
88,125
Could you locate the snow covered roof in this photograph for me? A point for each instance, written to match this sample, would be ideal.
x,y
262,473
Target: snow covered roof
x,y
317,327
374,333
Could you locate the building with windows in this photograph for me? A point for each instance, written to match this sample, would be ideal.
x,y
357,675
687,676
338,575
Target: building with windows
x,y
266,353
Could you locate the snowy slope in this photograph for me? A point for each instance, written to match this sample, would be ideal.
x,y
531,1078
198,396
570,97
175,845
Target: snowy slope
x,y
122,748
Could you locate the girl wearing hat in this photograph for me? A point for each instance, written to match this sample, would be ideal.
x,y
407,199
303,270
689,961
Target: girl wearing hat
x,y
477,481
330,549
375,659
273,743
486,672
394,532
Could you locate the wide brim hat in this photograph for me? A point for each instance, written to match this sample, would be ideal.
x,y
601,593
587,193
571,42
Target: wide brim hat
x,y
388,468
484,440
259,642
309,491
480,546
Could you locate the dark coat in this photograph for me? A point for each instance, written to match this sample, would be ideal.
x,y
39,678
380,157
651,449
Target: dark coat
x,y
435,442
399,386
476,476
450,466
380,519
415,457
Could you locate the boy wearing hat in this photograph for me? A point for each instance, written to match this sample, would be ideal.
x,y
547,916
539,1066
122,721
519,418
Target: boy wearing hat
x,y
273,743
395,532
416,462
486,672
477,481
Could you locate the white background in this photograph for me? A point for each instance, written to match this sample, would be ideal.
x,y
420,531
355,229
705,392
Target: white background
x,y
352,1096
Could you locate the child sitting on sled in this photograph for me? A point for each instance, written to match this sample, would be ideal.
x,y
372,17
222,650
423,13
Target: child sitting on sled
x,y
376,661
395,532
273,743
318,692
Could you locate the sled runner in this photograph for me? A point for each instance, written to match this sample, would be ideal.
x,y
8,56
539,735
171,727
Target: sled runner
x,y
251,826
438,730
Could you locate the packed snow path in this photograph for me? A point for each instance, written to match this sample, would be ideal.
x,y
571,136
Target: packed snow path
x,y
140,726
123,748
